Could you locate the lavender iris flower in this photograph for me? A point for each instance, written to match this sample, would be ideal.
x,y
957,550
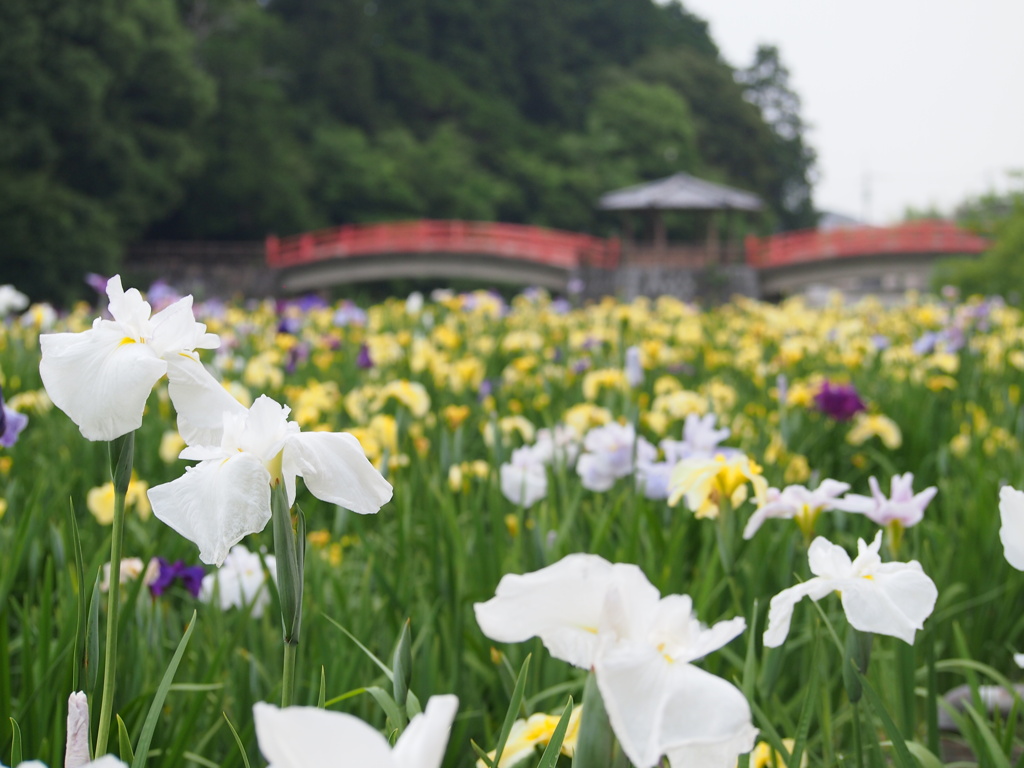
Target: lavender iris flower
x,y
191,577
11,423
840,401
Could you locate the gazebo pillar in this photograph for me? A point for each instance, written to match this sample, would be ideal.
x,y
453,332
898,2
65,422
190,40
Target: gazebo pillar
x,y
658,231
714,248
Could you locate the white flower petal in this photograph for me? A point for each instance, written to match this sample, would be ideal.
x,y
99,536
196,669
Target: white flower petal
x,y
1011,533
562,604
99,378
336,470
200,400
780,610
828,560
657,707
175,330
308,737
216,503
524,484
423,743
892,603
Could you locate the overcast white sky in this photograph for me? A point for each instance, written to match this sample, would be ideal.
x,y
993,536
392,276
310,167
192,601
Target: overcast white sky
x,y
911,102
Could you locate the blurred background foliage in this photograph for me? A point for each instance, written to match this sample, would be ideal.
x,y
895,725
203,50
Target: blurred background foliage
x,y
130,120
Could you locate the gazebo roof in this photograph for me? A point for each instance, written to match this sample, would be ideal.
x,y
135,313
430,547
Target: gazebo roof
x,y
679,192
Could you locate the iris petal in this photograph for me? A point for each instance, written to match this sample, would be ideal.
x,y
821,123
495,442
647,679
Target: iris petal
x,y
99,381
216,503
335,470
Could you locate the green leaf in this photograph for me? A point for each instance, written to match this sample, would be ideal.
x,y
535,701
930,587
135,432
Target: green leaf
x,y
995,757
153,716
903,756
806,711
596,742
238,741
550,756
513,709
92,639
124,741
289,578
121,471
923,755
364,649
401,663
322,696
15,742
81,615
391,709
856,657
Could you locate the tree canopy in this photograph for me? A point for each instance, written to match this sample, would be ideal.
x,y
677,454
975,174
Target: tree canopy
x,y
231,119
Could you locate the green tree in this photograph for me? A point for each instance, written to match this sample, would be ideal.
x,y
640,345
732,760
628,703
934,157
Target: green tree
x,y
97,104
1000,271
766,84
256,175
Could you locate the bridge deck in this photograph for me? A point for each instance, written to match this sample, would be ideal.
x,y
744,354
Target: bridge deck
x,y
548,247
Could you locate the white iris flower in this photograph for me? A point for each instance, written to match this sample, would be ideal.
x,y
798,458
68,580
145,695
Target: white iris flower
x,y
308,737
102,377
608,617
227,495
1011,533
884,598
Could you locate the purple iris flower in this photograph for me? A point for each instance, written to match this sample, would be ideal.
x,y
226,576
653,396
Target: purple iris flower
x,y
840,401
364,360
191,577
161,294
485,390
349,314
11,423
297,354
291,325
561,306
97,282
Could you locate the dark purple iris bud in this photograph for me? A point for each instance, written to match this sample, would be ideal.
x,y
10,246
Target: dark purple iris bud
x,y
364,360
191,577
840,401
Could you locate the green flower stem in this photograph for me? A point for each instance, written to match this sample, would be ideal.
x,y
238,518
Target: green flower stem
x,y
725,525
288,673
121,473
289,549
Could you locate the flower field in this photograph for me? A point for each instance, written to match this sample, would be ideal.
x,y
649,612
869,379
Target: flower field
x,y
619,505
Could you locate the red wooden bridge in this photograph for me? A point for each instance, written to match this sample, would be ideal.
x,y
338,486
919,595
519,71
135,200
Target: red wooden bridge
x,y
924,237
882,261
527,255
441,249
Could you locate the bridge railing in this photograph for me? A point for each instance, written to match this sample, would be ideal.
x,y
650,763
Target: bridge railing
x,y
566,250
934,237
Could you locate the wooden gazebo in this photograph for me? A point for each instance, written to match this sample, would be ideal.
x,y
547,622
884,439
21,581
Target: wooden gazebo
x,y
680,192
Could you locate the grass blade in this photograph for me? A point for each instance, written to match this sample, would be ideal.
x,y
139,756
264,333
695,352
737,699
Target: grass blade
x,y
238,741
124,741
148,728
513,709
550,756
